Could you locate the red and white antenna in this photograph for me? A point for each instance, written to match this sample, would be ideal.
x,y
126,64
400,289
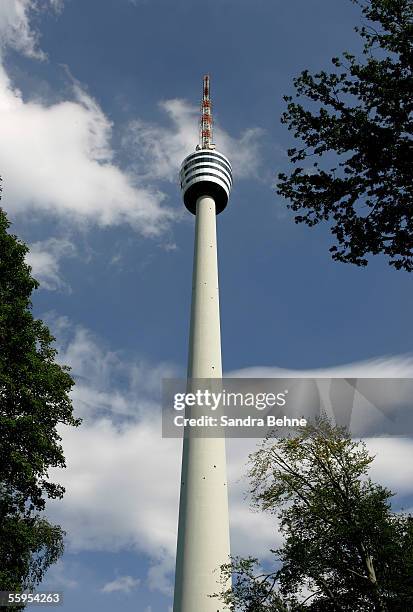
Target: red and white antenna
x,y
205,130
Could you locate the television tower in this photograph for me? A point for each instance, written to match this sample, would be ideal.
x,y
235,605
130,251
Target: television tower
x,y
203,529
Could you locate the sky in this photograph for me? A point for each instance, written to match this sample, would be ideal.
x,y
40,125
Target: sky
x,y
99,103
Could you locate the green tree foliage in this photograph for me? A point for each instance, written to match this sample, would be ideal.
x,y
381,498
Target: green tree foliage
x,y
34,399
362,116
344,549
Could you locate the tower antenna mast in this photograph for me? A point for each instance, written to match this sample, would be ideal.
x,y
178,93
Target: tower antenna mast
x,y
205,129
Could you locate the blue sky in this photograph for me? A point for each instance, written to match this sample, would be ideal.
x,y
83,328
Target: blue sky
x,y
98,106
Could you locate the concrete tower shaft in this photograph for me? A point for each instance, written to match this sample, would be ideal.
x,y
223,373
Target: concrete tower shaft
x,y
203,529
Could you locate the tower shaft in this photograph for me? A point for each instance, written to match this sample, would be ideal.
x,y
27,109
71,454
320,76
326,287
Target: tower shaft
x,y
203,530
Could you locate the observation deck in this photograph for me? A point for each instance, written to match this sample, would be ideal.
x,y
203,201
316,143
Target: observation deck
x,y
206,173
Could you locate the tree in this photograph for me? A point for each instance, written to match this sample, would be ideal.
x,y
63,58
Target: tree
x,y
344,549
34,399
362,118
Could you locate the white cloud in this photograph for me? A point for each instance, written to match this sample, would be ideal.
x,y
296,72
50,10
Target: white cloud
x,y
169,246
63,152
122,488
398,366
58,576
124,584
159,573
116,259
119,460
159,150
57,158
57,4
44,258
392,465
15,30
129,475
106,384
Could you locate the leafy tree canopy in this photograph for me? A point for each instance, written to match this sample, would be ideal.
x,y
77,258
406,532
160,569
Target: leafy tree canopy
x,y
344,549
364,117
34,399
